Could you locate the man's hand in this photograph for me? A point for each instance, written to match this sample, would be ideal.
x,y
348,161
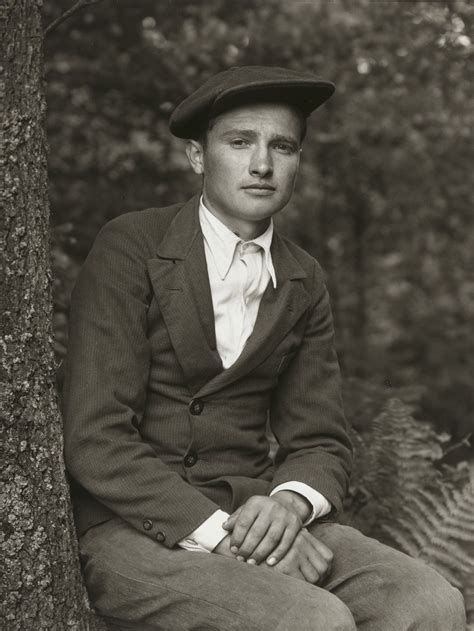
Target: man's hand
x,y
223,548
308,559
266,526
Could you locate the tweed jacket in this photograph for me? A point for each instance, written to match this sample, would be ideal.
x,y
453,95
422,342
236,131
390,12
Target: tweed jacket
x,y
155,430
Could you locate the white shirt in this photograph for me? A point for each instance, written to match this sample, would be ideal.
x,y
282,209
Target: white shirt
x,y
239,272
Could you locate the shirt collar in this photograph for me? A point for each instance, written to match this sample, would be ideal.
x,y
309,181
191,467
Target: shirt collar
x,y
222,242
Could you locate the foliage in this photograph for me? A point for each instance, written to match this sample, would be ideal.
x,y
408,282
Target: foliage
x,y
65,271
385,194
404,495
439,530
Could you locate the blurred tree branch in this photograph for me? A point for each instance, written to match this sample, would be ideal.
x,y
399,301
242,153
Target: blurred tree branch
x,y
80,4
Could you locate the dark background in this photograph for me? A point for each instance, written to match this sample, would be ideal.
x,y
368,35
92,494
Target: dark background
x,y
384,198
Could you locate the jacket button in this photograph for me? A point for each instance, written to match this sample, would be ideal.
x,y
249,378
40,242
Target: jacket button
x,y
160,536
196,407
190,459
147,524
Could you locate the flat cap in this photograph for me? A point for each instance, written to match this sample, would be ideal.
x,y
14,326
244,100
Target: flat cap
x,y
247,84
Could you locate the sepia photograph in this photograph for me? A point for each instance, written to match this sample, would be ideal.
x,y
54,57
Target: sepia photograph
x,y
237,308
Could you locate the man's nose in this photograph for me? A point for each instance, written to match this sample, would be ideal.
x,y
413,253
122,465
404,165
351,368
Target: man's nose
x,y
261,163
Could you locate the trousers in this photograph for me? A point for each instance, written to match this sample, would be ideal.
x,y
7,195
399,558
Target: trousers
x,y
137,583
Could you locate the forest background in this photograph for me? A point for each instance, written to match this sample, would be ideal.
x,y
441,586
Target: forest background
x,y
385,195
384,201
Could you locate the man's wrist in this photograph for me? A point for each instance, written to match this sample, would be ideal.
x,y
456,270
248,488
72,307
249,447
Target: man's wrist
x,y
294,502
208,535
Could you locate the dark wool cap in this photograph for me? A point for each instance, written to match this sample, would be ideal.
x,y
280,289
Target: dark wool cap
x,y
247,84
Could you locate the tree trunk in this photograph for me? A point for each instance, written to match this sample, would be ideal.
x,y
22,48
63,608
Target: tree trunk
x,y
42,586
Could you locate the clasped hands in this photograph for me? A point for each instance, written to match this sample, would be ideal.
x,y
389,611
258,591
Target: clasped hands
x,y
270,530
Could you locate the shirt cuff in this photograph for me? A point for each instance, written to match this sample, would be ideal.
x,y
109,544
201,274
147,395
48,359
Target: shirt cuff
x,y
321,506
208,535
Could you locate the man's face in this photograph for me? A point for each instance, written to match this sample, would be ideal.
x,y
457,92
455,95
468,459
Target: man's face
x,y
249,160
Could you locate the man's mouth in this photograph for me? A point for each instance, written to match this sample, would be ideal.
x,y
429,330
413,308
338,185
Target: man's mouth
x,y
259,187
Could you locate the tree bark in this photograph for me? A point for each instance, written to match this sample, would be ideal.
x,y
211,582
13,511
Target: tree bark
x,y
41,586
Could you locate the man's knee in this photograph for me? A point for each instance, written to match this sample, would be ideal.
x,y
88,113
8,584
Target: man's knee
x,y
421,598
438,605
313,614
340,618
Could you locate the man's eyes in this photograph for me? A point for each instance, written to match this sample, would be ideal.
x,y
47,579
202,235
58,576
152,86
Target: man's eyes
x,y
281,147
239,142
284,147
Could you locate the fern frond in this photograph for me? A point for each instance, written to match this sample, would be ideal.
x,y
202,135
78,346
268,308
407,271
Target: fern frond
x,y
438,528
403,495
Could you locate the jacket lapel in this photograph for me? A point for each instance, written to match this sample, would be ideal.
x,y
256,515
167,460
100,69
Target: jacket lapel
x,y
280,309
181,285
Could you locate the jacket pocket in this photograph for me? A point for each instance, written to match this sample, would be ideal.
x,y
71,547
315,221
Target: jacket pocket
x,y
284,361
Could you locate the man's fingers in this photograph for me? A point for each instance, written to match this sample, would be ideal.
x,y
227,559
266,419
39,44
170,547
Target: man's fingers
x,y
266,545
306,557
319,555
319,563
242,525
282,548
310,573
294,572
255,535
230,521
291,566
322,549
257,529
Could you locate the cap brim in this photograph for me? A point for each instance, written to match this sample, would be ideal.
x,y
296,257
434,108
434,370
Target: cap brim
x,y
305,93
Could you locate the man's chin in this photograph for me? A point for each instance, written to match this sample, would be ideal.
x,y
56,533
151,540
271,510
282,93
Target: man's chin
x,y
262,208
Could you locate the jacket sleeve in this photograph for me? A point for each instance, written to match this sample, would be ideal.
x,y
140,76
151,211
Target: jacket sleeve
x,y
307,415
106,375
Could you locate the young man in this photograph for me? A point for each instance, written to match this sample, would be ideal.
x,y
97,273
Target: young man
x,y
190,326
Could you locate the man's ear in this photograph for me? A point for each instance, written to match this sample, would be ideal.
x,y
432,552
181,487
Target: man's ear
x,y
195,153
